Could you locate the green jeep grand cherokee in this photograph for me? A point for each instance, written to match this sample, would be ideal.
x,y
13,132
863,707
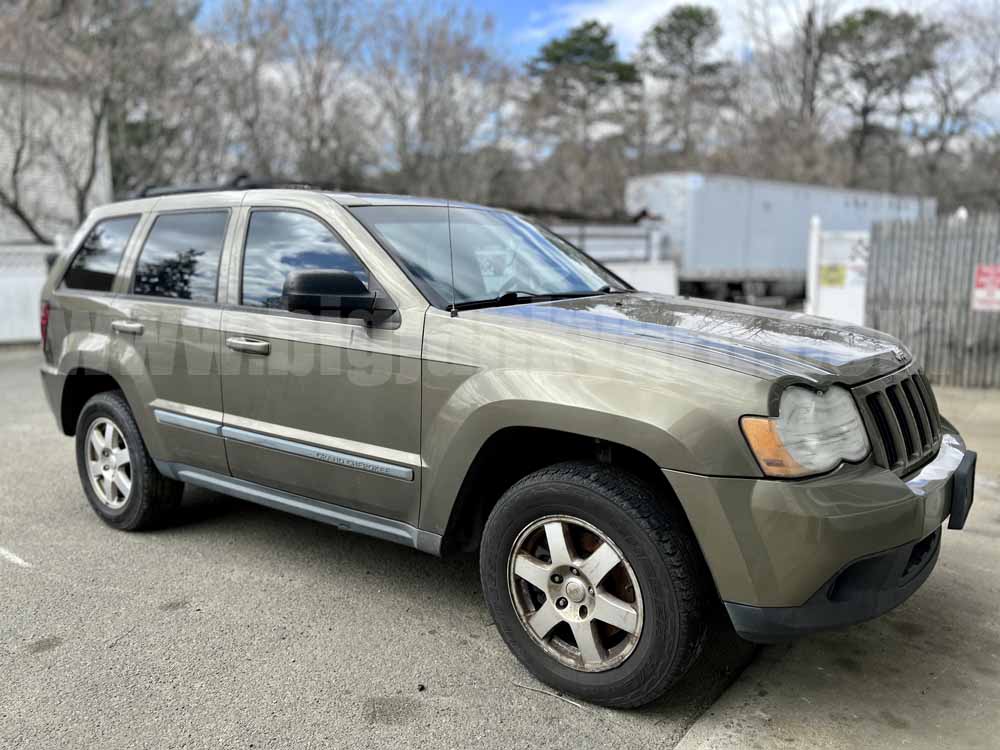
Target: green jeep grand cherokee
x,y
453,377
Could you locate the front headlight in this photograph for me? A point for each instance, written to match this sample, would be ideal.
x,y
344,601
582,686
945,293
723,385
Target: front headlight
x,y
813,433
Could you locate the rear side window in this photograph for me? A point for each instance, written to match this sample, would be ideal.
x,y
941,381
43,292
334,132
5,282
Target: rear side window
x,y
96,263
180,258
279,242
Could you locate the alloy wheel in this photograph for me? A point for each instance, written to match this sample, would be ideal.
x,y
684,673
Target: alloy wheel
x,y
109,464
575,593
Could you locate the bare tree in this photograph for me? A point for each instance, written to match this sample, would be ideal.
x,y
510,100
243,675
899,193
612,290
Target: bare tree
x,y
441,90
783,94
167,121
252,35
38,98
18,143
791,43
329,121
966,72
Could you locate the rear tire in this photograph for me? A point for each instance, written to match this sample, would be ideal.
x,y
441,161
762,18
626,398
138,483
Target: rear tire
x,y
119,478
598,509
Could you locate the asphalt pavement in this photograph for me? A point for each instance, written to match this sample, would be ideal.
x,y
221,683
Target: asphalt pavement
x,y
242,627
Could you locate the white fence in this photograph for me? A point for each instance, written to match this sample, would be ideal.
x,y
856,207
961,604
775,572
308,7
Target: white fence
x,y
22,275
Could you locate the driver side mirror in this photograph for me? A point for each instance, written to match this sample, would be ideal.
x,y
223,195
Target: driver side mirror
x,y
335,293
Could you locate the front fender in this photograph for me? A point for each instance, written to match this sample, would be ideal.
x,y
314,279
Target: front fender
x,y
676,425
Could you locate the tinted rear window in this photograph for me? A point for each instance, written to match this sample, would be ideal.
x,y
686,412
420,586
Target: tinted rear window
x,y
180,258
96,263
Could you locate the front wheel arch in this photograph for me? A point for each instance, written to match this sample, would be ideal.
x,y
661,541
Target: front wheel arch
x,y
514,452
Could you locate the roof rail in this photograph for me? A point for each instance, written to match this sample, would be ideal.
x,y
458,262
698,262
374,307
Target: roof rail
x,y
241,181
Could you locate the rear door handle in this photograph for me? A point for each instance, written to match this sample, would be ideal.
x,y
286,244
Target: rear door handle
x,y
128,326
249,346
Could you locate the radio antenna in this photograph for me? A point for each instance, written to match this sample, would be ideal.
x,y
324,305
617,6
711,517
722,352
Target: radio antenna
x,y
451,254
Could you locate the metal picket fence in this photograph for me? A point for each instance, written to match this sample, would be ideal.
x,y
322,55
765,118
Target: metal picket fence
x,y
921,281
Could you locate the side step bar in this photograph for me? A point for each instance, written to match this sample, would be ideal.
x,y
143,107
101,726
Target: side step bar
x,y
335,515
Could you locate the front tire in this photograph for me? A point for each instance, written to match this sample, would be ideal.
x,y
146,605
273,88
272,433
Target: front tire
x,y
118,475
595,583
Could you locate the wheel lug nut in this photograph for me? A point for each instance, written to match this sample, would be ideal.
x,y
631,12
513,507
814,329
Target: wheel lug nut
x,y
557,578
561,603
574,571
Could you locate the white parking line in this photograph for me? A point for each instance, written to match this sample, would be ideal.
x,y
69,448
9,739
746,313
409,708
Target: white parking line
x,y
10,557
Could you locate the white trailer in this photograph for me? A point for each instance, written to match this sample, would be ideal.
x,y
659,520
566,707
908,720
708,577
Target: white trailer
x,y
633,251
748,240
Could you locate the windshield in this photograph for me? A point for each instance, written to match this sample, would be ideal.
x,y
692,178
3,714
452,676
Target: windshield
x,y
494,252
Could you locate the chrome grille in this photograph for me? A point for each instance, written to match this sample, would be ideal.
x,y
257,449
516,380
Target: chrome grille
x,y
901,416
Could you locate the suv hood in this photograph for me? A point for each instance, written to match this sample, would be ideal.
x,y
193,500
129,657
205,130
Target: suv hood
x,y
758,341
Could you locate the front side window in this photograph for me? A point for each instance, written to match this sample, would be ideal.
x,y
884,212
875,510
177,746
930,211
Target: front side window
x,y
96,263
473,255
180,259
282,242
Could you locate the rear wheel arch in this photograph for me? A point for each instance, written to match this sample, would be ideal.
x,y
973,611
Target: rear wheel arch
x,y
512,453
81,385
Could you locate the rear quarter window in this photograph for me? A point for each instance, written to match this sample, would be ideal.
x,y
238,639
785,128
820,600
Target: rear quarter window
x,y
96,263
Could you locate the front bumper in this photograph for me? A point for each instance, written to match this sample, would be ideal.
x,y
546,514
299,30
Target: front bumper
x,y
790,558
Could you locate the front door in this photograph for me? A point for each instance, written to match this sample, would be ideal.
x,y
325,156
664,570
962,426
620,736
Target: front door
x,y
316,405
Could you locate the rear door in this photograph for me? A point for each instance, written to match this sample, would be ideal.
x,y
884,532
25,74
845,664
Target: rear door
x,y
167,333
82,302
319,406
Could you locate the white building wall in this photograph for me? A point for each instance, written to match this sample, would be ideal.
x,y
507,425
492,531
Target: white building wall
x,y
57,126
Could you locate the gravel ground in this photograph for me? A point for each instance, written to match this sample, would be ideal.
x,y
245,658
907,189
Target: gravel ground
x,y
244,627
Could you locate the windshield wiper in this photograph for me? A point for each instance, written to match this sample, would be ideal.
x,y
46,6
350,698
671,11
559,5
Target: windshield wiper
x,y
507,298
518,296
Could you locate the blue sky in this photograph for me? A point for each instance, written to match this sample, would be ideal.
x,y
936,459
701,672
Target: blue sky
x,y
524,25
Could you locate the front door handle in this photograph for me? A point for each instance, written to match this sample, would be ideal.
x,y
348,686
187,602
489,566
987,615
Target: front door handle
x,y
249,346
128,326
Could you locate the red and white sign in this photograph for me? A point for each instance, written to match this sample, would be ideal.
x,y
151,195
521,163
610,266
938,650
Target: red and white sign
x,y
986,289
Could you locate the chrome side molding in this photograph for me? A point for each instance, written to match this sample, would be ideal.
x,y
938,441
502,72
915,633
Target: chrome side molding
x,y
190,423
340,458
349,460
